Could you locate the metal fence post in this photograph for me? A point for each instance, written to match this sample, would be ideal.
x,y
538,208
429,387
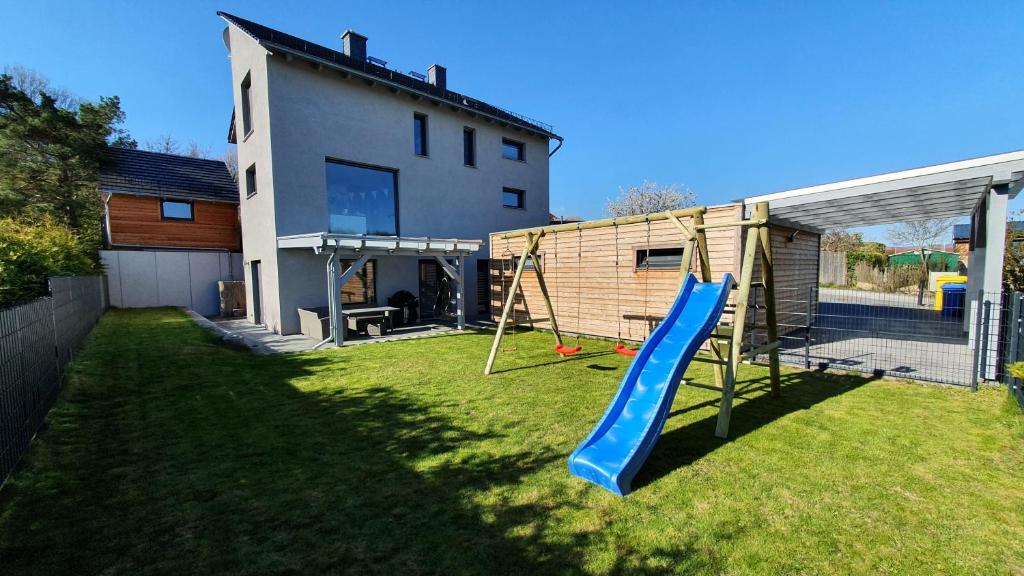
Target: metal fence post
x,y
807,329
1014,327
976,364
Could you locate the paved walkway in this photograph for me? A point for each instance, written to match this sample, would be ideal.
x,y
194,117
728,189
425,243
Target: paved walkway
x,y
884,332
262,341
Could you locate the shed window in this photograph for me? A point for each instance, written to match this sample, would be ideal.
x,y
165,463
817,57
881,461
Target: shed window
x,y
175,210
529,262
513,150
659,258
246,106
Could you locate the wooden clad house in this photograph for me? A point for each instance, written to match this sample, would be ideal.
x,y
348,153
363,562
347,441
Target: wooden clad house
x,y
171,230
619,281
155,200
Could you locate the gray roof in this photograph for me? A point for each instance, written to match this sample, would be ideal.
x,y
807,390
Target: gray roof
x,y
272,38
125,171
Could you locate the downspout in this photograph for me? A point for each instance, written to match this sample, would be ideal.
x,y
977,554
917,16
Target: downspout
x,y
106,218
332,336
560,141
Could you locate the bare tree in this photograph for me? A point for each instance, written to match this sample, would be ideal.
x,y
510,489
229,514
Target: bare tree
x,y
35,84
197,150
841,240
164,143
921,235
648,198
230,158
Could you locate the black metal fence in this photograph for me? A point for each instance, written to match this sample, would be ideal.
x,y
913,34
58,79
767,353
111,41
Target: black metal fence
x,y
896,334
37,340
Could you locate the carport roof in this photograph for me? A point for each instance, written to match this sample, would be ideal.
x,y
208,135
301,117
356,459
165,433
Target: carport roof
x,y
943,190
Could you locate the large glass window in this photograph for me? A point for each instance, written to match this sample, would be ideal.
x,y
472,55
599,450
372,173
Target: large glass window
x,y
362,200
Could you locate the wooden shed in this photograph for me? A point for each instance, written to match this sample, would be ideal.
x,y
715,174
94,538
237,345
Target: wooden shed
x,y
619,281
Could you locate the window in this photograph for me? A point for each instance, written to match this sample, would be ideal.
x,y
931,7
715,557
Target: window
x,y
529,263
511,198
246,106
469,146
362,199
361,288
513,150
659,258
250,181
419,133
175,210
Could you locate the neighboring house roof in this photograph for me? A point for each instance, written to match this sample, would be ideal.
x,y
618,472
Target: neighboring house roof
x,y
270,38
962,232
125,171
916,251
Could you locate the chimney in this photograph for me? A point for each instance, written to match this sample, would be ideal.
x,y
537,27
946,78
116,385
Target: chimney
x,y
438,76
355,45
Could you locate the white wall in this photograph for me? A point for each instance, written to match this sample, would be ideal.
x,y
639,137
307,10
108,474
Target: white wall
x,y
149,279
259,238
314,115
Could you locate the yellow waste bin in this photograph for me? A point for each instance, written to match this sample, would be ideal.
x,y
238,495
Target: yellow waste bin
x,y
946,280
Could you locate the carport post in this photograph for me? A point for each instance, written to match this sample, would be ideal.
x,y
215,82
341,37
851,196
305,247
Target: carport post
x,y
462,292
332,263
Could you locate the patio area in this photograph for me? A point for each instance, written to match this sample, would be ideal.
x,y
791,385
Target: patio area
x,y
240,331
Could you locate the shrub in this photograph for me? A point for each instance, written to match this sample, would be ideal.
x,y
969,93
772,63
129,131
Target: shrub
x,y
31,251
871,257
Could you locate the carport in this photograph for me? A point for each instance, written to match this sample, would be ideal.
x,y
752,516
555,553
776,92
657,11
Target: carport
x,y
980,188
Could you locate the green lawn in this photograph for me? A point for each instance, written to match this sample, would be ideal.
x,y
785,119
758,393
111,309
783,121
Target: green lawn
x,y
170,453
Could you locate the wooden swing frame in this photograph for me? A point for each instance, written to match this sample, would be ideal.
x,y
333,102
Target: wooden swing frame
x,y
726,363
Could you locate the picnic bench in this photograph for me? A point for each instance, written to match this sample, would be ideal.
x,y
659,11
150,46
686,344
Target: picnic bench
x,y
375,321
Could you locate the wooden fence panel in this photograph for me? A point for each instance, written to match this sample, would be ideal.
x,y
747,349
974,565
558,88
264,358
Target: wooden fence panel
x,y
594,296
833,268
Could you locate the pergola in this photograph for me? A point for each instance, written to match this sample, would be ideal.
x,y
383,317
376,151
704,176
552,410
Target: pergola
x,y
979,188
362,247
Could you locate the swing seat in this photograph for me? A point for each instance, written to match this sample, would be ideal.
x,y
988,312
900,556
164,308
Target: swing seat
x,y
625,350
567,351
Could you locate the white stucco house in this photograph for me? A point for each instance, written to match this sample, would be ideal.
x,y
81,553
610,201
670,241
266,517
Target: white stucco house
x,y
361,181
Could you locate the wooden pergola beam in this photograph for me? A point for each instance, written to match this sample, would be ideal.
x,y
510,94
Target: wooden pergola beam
x,y
592,224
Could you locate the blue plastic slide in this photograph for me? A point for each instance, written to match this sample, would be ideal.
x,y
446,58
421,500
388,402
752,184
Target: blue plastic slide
x,y
618,446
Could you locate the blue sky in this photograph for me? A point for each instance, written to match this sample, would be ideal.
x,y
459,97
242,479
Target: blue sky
x,y
728,98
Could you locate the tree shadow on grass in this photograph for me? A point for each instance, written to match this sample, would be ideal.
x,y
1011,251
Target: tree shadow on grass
x,y
755,408
170,453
